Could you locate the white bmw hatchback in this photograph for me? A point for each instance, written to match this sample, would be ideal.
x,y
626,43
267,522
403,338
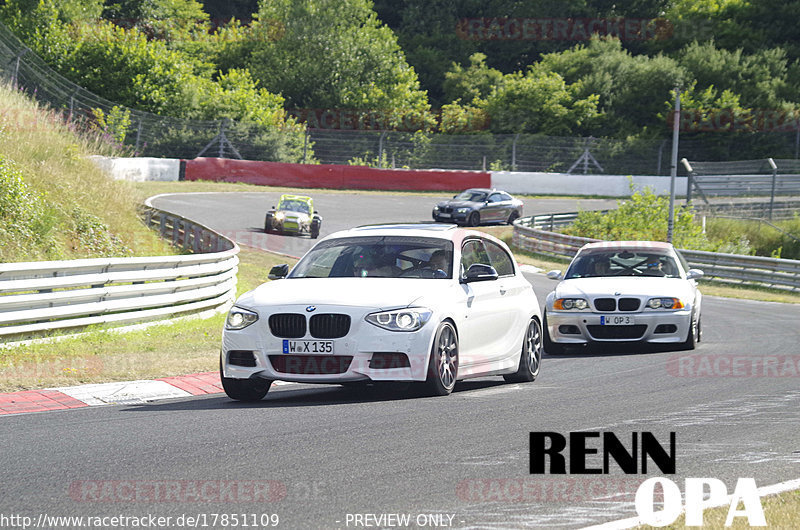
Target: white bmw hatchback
x,y
624,291
420,303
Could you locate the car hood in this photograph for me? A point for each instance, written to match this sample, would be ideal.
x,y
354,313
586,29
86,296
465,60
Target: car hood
x,y
625,285
377,293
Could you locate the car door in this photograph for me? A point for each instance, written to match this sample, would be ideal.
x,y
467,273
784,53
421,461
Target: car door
x,y
512,314
493,210
484,315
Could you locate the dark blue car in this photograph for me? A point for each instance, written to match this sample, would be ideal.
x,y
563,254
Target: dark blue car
x,y
477,206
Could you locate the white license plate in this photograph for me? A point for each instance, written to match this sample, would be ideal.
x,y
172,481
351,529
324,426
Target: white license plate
x,y
444,215
617,320
308,346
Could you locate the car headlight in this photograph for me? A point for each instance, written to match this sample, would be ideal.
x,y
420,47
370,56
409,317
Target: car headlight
x,y
280,216
410,319
462,210
665,303
436,208
568,304
239,318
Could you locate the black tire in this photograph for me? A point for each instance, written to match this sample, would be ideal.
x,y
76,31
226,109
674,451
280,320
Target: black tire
x,y
513,217
268,224
474,219
530,357
244,389
553,348
315,226
694,333
443,363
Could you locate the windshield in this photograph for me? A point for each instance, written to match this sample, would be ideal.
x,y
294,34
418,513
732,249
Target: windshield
x,y
623,263
472,196
378,257
293,206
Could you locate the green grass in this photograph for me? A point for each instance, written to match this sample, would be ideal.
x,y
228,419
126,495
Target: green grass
x,y
741,236
780,511
64,207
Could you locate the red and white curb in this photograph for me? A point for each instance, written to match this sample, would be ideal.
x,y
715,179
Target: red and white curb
x,y
123,393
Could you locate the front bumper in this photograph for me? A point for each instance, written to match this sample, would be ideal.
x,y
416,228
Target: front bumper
x,y
454,217
657,327
353,357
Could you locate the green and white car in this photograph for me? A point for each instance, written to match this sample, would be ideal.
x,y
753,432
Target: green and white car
x,y
295,214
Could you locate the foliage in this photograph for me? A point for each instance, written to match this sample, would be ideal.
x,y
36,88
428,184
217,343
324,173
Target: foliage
x,y
46,175
539,102
93,235
781,239
473,83
26,221
332,54
631,90
115,125
642,217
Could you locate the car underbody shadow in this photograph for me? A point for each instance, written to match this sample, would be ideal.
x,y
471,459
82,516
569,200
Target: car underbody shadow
x,y
604,349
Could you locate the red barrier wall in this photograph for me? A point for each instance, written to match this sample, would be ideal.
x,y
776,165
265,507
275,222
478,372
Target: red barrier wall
x,y
331,176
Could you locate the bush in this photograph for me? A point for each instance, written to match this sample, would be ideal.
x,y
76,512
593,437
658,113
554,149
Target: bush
x,y
26,222
642,217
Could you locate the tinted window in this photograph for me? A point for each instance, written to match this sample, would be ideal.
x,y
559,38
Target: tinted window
x,y
501,261
471,195
623,263
495,197
375,256
505,197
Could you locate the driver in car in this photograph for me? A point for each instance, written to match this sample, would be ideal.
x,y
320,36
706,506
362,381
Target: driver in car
x,y
373,262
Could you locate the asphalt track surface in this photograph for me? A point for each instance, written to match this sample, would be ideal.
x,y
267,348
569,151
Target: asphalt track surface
x,y
330,452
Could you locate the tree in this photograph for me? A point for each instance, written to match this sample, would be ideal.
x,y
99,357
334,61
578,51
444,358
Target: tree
x,y
332,54
539,102
472,83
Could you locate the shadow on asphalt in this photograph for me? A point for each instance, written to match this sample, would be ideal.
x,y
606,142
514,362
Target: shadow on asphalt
x,y
315,396
612,350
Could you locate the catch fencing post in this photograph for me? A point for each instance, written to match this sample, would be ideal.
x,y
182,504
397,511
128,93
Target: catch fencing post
x,y
774,179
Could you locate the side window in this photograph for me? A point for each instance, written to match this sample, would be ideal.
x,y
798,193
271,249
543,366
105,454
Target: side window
x,y
473,252
495,197
501,261
505,197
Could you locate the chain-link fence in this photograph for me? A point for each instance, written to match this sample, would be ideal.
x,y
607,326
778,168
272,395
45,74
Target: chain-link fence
x,y
147,134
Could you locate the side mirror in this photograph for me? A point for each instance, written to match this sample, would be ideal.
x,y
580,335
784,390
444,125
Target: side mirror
x,y
694,274
279,271
479,272
554,274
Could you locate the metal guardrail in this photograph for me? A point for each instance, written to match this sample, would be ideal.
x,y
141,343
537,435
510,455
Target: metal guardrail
x,y
39,297
530,236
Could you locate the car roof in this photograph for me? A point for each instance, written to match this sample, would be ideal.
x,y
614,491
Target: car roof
x,y
448,232
646,246
290,197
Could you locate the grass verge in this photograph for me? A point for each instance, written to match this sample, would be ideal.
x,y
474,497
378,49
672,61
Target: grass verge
x,y
99,356
780,511
55,203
